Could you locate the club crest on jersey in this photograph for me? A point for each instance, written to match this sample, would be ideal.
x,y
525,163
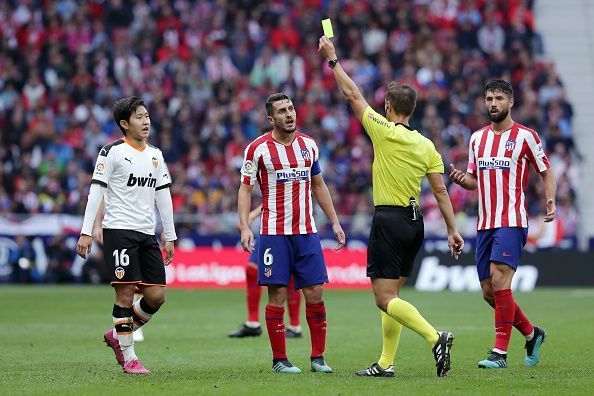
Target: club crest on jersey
x,y
120,272
510,145
305,154
267,272
155,163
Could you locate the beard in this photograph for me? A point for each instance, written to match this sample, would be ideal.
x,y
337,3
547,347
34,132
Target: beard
x,y
288,130
496,118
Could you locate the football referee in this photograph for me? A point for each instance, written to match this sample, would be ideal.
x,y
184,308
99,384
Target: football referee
x,y
402,158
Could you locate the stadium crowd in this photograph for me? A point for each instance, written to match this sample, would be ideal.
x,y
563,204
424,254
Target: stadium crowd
x,y
206,67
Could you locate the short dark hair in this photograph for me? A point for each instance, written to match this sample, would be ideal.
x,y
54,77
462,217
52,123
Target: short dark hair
x,y
124,108
275,97
501,86
402,98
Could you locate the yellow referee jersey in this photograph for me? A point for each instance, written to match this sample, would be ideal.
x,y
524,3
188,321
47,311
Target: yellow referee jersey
x,y
402,158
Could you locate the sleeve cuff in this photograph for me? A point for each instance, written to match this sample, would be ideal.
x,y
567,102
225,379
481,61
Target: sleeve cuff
x,y
101,183
163,186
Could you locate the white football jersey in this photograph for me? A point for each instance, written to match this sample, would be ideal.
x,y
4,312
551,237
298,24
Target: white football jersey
x,y
131,177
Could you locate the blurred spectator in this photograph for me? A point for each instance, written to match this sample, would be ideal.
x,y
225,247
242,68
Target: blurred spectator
x,y
60,261
22,260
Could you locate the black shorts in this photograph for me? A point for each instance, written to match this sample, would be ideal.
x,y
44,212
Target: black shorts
x,y
134,257
394,241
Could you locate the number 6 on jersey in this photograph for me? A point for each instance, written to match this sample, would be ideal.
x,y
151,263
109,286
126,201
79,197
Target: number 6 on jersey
x,y
268,258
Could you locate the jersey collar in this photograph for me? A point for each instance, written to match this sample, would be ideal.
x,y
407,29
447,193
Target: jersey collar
x,y
404,125
135,147
286,145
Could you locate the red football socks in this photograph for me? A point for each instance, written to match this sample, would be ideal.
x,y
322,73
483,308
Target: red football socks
x,y
505,308
276,331
316,319
294,301
253,293
522,323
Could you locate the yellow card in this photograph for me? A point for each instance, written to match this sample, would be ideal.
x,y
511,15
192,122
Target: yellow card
x,y
327,26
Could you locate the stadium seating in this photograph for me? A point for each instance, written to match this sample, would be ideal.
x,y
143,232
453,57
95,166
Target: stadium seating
x,y
206,71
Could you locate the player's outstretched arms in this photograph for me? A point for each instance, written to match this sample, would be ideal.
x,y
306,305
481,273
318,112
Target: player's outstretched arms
x,y
464,179
440,192
345,83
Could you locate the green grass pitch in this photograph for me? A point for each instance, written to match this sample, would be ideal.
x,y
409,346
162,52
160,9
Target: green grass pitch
x,y
51,343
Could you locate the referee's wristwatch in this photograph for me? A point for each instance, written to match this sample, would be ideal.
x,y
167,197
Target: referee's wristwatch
x,y
332,63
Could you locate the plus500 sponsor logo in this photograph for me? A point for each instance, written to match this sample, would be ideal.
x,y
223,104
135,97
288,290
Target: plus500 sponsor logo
x,y
491,163
294,174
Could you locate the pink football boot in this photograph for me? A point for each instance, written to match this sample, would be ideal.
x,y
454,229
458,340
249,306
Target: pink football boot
x,y
134,367
114,344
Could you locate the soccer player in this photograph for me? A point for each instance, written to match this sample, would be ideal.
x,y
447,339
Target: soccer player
x,y
131,176
285,163
402,158
138,334
251,327
498,158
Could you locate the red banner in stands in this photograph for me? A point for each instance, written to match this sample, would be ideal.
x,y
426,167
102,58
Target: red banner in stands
x,y
225,268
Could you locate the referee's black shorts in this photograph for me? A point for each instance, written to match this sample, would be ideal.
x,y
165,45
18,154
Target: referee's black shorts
x,y
394,241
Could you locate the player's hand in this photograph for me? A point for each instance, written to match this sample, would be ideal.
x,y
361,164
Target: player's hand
x,y
83,247
169,249
326,48
98,235
551,211
340,237
456,244
247,240
457,175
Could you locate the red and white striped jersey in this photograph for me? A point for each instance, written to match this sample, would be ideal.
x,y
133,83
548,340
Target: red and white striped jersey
x,y
500,163
284,174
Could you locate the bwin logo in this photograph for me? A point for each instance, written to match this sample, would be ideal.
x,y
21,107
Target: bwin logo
x,y
141,181
436,277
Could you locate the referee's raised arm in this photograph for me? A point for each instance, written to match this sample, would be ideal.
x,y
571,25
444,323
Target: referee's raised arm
x,y
346,84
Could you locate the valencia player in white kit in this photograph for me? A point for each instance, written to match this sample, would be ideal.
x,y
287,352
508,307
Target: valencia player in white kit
x,y
131,176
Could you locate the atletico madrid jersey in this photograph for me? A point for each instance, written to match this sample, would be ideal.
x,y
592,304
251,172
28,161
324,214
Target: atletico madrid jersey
x,y
284,174
500,163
